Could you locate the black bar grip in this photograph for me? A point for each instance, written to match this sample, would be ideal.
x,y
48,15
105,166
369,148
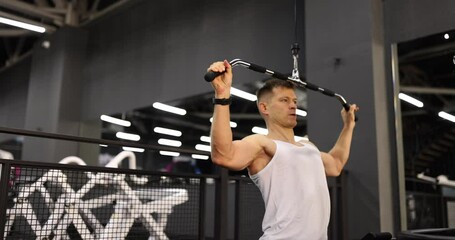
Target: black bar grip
x,y
280,76
257,68
311,86
327,92
346,107
210,75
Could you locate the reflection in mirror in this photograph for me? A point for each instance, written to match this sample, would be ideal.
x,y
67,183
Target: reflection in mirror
x,y
427,94
185,124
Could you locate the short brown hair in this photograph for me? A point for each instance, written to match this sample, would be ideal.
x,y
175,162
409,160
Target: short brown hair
x,y
272,84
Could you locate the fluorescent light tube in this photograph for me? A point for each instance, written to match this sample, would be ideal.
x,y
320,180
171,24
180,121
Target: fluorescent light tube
x,y
260,130
103,145
446,116
232,124
128,136
167,131
114,120
205,139
202,157
301,112
202,147
410,100
22,25
169,142
298,138
168,153
133,149
168,108
243,94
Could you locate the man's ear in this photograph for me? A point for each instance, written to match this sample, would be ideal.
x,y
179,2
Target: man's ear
x,y
263,108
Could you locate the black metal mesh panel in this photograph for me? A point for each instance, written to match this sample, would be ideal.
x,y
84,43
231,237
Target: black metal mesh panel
x,y
424,211
251,211
74,204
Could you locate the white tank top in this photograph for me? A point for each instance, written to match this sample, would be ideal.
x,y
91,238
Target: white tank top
x,y
294,188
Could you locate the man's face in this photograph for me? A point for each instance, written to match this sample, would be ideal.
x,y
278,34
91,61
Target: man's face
x,y
282,107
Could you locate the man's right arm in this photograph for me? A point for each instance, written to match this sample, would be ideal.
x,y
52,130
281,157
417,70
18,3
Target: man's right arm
x,y
235,155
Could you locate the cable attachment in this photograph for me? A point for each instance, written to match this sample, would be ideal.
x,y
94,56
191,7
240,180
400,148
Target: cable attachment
x,y
295,55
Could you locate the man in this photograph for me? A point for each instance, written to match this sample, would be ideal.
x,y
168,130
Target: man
x,y
290,175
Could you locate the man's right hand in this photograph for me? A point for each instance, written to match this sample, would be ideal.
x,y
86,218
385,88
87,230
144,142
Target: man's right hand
x,y
222,84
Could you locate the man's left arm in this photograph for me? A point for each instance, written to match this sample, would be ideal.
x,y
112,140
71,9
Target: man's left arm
x,y
337,157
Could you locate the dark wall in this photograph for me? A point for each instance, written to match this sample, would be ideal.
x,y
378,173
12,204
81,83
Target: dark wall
x,y
54,94
409,19
344,31
160,50
14,82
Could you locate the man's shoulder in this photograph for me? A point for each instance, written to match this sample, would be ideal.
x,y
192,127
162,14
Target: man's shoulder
x,y
259,139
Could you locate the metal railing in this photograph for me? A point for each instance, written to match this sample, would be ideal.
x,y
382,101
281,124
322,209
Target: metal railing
x,y
53,201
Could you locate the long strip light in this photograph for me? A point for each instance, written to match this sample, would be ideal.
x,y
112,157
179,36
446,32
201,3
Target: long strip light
x,y
168,153
446,116
410,100
298,138
167,131
264,131
202,147
128,136
260,130
232,124
198,156
243,94
22,25
205,139
169,142
300,112
133,149
169,108
114,120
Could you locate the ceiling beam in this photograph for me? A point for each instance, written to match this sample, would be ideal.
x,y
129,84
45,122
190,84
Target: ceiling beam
x,y
15,32
430,152
428,90
425,158
60,11
445,142
94,7
60,4
430,52
112,8
42,3
29,9
18,49
438,147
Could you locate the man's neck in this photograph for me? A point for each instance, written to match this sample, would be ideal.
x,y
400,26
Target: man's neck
x,y
280,133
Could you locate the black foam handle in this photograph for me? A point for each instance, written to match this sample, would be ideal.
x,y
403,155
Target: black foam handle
x,y
311,86
210,75
257,68
346,107
280,76
328,92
